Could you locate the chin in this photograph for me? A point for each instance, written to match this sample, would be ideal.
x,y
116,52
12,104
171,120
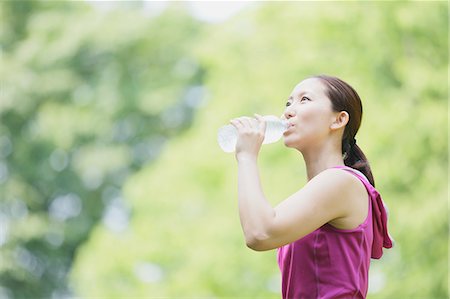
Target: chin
x,y
287,142
292,143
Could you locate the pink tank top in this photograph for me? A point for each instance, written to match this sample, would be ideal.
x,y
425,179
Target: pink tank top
x,y
334,263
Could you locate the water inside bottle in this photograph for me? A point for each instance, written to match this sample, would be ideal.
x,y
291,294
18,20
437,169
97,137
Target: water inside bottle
x,y
227,138
275,127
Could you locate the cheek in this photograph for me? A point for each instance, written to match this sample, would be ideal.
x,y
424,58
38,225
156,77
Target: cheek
x,y
312,123
310,115
314,119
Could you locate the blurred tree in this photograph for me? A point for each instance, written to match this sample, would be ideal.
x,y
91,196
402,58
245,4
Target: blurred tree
x,y
87,98
90,96
184,239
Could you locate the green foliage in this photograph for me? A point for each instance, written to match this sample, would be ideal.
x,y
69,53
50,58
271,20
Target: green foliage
x,y
87,99
84,107
185,222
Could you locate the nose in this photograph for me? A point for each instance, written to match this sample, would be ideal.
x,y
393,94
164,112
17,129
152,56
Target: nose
x,y
288,113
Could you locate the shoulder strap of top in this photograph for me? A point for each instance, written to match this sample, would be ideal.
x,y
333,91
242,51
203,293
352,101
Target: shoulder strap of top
x,y
358,173
381,237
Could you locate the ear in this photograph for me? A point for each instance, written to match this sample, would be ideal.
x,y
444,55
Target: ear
x,y
340,121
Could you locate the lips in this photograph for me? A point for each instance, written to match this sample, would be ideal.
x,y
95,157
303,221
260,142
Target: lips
x,y
289,126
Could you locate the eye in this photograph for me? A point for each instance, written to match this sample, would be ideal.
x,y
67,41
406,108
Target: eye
x,y
304,99
288,104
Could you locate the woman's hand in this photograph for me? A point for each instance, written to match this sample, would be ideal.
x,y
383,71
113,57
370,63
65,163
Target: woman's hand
x,y
251,133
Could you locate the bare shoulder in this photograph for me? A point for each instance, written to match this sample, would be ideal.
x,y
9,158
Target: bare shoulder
x,y
335,178
327,198
340,187
347,189
334,189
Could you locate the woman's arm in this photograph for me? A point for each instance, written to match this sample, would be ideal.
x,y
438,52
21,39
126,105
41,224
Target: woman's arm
x,y
256,214
324,198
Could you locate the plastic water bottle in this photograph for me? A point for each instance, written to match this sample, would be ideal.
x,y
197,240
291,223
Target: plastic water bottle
x,y
275,127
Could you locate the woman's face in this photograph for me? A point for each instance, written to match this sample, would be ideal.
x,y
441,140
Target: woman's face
x,y
309,114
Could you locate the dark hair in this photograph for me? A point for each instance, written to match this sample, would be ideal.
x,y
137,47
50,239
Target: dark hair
x,y
344,98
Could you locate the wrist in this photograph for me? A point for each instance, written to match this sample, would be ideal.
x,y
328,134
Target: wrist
x,y
246,157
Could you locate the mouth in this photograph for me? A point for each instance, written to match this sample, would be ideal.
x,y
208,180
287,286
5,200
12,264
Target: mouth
x,y
289,126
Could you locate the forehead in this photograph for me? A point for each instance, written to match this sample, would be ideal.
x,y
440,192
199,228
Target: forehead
x,y
312,86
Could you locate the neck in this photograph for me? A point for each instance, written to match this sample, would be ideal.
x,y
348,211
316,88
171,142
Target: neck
x,y
321,158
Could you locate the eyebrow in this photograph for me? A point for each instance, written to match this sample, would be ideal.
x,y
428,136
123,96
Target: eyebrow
x,y
300,94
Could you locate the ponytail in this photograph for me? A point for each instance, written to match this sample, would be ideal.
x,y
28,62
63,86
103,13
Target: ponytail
x,y
344,98
355,158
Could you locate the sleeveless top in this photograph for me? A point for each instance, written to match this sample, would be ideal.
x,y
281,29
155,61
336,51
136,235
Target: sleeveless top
x,y
332,262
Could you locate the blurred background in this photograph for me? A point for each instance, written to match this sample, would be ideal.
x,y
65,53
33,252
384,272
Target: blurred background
x,y
112,184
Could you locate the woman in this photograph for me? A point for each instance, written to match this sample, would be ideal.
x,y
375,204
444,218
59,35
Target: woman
x,y
327,231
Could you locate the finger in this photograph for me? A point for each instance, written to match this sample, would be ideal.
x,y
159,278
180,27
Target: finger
x,y
256,123
246,122
242,124
236,123
261,123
